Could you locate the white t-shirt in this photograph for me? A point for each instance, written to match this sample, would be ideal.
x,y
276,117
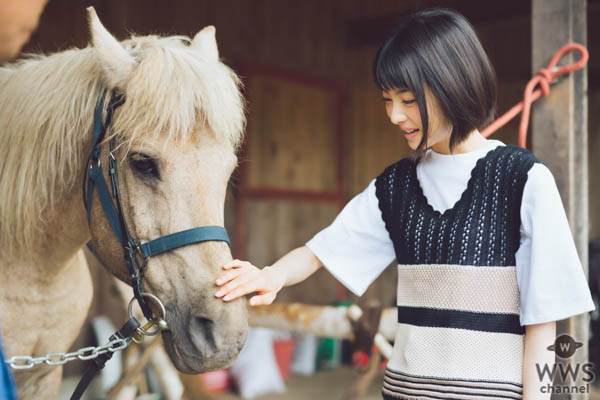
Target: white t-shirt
x,y
356,247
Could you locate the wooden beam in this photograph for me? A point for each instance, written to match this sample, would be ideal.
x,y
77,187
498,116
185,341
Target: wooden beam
x,y
372,31
559,135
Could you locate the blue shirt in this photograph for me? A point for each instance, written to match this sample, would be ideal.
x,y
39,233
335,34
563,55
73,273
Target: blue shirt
x,y
8,390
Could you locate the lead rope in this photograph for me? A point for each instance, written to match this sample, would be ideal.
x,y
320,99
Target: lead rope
x,y
131,331
126,332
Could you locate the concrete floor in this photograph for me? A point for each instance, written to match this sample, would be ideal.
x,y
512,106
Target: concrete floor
x,y
330,385
323,385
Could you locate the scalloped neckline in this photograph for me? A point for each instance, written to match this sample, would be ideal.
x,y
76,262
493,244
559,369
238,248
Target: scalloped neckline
x,y
465,193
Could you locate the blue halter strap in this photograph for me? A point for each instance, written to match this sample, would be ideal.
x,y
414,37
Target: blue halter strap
x,y
111,203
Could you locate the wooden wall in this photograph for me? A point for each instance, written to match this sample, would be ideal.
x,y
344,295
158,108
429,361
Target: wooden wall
x,y
289,183
292,135
334,40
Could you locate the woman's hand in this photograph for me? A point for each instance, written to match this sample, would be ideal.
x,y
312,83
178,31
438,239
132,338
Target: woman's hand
x,y
242,278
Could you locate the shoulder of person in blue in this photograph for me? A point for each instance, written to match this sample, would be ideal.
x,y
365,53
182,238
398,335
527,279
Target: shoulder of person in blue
x,y
8,390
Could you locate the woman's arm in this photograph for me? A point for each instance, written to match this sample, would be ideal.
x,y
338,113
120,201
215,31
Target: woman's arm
x,y
536,356
242,277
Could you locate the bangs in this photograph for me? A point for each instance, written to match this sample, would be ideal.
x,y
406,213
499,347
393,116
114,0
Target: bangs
x,y
396,68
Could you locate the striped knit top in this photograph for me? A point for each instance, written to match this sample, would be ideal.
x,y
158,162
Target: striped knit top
x,y
458,335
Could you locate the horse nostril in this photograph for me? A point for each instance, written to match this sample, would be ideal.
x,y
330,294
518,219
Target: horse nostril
x,y
202,334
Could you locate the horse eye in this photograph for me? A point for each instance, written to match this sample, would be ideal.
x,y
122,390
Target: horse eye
x,y
144,165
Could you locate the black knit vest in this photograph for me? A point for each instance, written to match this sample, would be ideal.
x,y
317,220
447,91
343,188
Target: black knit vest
x,y
458,333
481,229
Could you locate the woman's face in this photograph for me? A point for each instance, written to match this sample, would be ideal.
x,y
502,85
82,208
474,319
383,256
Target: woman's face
x,y
402,109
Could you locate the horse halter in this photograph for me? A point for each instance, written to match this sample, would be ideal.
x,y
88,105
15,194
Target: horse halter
x,y
136,254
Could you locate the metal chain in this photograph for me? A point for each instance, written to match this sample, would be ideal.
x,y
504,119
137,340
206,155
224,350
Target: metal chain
x,y
91,352
53,359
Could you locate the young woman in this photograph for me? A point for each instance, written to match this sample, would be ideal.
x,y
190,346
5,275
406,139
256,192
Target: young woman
x,y
486,261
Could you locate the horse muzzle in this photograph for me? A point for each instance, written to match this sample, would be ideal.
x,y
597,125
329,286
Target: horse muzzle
x,y
202,343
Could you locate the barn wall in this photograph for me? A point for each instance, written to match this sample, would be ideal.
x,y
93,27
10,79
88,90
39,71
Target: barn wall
x,y
317,39
308,37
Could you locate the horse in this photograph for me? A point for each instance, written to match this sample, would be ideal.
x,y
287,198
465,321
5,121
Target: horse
x,y
176,137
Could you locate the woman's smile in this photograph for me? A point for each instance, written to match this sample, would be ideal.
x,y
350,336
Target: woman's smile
x,y
403,111
411,135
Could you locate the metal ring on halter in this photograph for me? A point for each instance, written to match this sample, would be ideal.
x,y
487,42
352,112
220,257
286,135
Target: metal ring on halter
x,y
159,323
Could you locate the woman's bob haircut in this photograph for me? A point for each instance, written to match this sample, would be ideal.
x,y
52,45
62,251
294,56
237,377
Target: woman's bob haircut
x,y
438,50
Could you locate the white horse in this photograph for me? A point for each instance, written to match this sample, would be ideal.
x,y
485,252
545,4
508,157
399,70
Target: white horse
x,y
177,134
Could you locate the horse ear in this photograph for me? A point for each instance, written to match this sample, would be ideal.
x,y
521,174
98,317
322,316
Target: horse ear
x,y
117,63
206,43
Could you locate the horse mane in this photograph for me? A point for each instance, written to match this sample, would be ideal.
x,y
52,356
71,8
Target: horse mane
x,y
46,116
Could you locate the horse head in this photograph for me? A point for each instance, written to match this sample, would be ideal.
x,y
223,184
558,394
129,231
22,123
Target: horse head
x,y
175,138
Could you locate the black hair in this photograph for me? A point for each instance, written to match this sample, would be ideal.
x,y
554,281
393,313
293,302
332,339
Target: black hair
x,y
438,49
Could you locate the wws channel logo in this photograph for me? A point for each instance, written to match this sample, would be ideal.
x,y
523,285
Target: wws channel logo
x,y
565,347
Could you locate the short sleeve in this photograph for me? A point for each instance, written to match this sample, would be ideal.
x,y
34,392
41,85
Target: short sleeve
x,y
356,247
551,280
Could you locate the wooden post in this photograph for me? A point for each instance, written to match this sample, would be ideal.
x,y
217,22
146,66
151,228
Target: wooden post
x,y
559,136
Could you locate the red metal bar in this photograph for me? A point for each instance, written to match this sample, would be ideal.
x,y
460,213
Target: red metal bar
x,y
289,194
